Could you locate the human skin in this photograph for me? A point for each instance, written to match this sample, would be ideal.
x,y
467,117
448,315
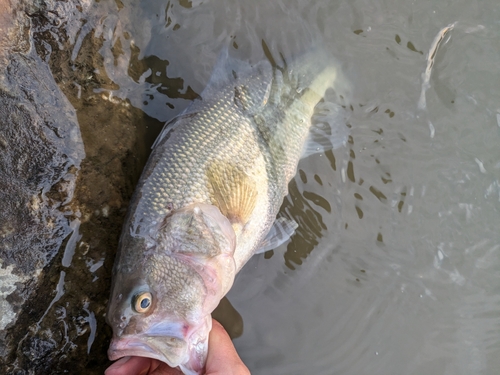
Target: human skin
x,y
222,359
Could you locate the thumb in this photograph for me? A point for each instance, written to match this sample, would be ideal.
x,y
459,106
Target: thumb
x,y
222,358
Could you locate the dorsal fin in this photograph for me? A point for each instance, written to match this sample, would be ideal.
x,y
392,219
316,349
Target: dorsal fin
x,y
251,83
171,125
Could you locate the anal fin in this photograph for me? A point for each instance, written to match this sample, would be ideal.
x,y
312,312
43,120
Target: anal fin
x,y
280,232
328,130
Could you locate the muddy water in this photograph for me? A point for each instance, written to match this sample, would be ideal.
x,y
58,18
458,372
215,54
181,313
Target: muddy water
x,y
394,268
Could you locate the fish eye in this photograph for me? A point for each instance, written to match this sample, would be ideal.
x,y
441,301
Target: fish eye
x,y
142,302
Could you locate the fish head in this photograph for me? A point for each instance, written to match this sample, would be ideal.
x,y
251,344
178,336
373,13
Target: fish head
x,y
142,328
161,301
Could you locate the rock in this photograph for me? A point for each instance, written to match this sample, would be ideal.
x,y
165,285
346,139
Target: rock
x,y
40,154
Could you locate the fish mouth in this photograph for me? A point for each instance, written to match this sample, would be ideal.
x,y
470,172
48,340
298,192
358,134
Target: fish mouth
x,y
125,347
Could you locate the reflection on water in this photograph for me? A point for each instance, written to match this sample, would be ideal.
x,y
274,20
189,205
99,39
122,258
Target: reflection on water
x,y
301,206
394,266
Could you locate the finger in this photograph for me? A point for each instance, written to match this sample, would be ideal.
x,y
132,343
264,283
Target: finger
x,y
132,366
139,366
222,356
164,369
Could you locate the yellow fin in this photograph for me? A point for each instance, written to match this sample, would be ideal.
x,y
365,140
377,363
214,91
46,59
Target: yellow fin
x,y
234,192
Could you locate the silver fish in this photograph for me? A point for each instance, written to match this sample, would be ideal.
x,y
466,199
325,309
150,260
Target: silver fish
x,y
207,201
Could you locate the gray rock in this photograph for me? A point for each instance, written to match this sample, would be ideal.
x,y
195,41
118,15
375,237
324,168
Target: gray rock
x,y
40,154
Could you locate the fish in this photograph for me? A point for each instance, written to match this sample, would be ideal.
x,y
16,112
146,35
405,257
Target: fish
x,y
208,200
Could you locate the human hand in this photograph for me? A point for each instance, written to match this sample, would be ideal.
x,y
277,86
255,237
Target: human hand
x,y
222,359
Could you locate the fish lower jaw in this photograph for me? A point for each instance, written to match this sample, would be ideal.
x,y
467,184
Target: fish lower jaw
x,y
119,349
125,348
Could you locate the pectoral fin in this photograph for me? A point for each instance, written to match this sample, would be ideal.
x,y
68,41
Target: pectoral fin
x,y
233,191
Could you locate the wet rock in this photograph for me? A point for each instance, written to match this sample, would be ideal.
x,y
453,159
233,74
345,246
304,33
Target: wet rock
x,y
41,151
60,214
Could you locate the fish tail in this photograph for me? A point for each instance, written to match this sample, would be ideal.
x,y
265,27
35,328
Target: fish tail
x,y
324,72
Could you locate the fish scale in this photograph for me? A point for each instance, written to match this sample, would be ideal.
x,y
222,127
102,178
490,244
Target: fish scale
x,y
209,134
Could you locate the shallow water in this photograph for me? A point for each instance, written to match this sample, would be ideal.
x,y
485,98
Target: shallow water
x,y
395,266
